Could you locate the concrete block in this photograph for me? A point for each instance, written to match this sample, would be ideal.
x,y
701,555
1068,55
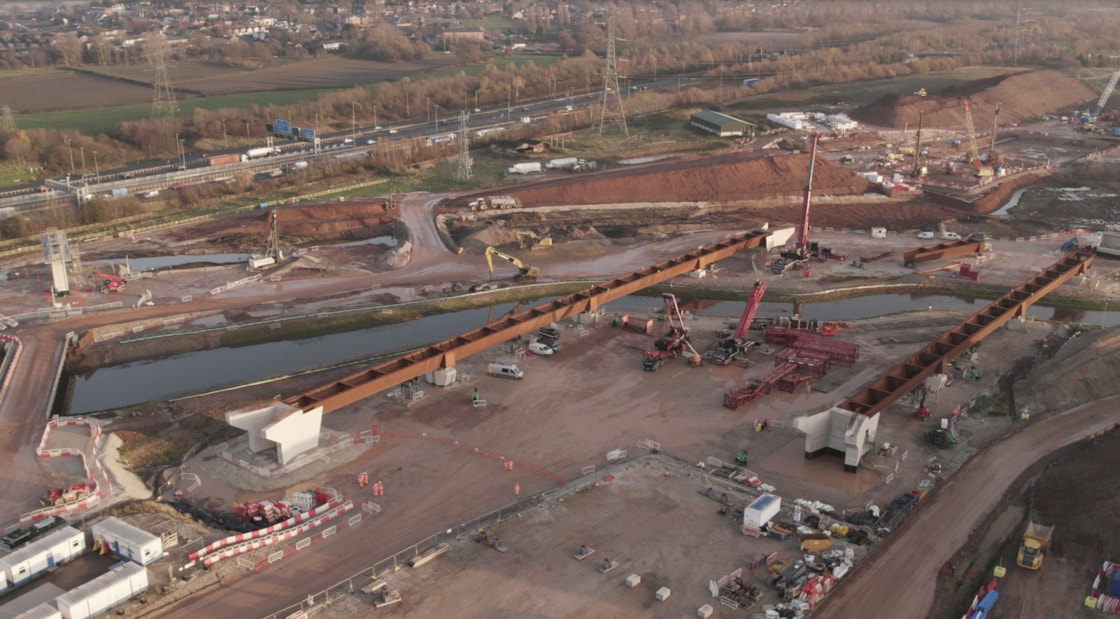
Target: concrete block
x,y
633,580
662,594
705,611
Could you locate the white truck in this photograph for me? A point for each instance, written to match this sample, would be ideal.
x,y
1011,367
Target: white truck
x,y
525,168
563,163
1109,243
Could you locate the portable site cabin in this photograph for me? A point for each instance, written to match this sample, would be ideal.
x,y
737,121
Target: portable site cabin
x,y
761,511
106,591
126,541
46,610
3,582
56,548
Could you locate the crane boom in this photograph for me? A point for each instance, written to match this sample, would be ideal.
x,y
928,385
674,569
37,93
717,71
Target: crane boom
x,y
981,169
1106,94
803,235
917,143
749,311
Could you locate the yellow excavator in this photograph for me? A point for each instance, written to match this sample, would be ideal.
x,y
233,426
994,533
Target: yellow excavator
x,y
525,273
530,239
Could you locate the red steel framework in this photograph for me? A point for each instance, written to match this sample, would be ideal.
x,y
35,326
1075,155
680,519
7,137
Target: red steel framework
x,y
941,251
445,354
935,356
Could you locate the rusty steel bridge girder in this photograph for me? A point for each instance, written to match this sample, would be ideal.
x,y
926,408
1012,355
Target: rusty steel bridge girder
x,y
446,354
941,251
935,356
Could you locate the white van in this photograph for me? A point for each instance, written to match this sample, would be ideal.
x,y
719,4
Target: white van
x,y
505,370
950,236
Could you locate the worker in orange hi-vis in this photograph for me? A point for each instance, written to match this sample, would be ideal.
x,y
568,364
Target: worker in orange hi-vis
x,y
378,489
363,480
516,489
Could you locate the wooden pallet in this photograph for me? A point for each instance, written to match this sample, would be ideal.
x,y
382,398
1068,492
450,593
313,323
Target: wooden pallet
x,y
580,557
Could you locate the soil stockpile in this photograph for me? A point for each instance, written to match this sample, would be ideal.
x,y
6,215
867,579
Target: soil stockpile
x,y
308,223
1020,96
712,179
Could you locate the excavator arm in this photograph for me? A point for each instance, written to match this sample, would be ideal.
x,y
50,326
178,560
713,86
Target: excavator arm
x,y
523,269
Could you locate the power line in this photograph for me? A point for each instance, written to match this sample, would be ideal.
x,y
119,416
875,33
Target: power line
x,y
163,101
611,109
463,162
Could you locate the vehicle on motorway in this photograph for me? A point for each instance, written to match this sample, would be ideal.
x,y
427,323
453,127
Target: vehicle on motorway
x,y
925,235
950,236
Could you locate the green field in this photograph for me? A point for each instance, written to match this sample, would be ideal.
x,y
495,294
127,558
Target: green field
x,y
101,120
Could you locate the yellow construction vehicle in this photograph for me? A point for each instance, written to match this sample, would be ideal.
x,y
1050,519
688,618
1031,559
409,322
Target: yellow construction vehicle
x,y
525,272
1036,541
530,239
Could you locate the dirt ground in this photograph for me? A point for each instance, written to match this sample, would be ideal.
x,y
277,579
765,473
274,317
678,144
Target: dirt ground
x,y
593,398
539,577
1022,96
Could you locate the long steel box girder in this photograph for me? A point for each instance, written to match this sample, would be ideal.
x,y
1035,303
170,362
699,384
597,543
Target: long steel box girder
x,y
445,354
936,355
941,251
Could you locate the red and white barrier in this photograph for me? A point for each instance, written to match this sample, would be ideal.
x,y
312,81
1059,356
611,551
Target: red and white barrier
x,y
276,537
260,533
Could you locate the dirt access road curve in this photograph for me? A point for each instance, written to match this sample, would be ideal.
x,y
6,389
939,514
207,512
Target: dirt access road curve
x,y
900,581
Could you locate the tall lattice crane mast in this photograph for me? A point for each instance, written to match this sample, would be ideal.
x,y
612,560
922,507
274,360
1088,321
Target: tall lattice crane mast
x,y
750,310
917,168
981,169
1106,94
803,235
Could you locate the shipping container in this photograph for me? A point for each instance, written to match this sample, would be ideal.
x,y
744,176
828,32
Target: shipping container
x,y
225,159
123,582
127,541
525,168
761,511
46,610
562,163
264,151
55,548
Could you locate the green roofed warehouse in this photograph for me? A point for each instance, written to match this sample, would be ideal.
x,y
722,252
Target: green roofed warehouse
x,y
721,124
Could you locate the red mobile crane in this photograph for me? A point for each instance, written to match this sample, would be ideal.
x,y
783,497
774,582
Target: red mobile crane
x,y
735,345
803,235
112,283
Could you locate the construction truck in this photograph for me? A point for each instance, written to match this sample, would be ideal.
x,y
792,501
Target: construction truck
x,y
1036,541
530,239
525,273
69,494
110,283
497,202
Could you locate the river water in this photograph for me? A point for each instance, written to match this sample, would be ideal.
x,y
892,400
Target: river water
x,y
198,372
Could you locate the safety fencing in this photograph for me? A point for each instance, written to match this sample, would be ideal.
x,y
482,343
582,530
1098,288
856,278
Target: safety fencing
x,y
302,524
279,526
13,349
99,489
235,284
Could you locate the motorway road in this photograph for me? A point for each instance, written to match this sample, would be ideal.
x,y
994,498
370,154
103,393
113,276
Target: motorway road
x,y
900,580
